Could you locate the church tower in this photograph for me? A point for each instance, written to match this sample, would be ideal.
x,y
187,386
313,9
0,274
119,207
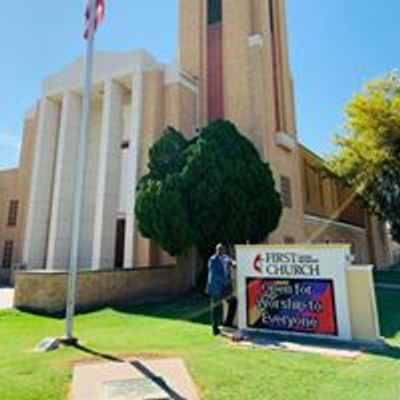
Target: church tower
x,y
238,50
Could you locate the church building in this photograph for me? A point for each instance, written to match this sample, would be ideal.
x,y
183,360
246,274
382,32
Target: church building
x,y
233,64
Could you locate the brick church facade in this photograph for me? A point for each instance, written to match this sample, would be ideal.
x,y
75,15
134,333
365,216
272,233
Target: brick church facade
x,y
233,64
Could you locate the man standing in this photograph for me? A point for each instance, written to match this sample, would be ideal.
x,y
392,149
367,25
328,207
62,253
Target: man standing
x,y
219,288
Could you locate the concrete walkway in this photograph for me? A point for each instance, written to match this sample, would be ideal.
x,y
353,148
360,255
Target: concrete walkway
x,y
334,352
271,341
155,379
6,298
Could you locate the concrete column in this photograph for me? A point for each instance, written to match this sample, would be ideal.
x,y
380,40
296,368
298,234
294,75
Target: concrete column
x,y
133,162
64,183
42,185
107,196
90,185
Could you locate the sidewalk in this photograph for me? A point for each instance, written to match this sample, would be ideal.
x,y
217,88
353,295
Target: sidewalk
x,y
6,297
158,379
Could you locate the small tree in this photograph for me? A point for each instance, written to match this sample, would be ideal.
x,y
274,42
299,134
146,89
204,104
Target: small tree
x,y
210,189
369,156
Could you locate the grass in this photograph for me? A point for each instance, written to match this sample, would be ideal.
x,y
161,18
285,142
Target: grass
x,y
221,371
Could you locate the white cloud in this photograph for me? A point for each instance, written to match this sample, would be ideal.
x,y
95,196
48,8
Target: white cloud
x,y
9,150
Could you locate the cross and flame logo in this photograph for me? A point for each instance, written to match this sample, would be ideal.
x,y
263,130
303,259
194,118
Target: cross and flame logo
x,y
257,263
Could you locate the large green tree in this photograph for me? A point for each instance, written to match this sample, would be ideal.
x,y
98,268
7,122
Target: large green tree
x,y
369,151
209,189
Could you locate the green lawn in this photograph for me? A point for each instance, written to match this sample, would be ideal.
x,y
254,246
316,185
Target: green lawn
x,y
222,371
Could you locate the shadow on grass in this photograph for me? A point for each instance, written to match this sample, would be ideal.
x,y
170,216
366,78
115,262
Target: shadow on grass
x,y
98,354
193,307
389,312
387,351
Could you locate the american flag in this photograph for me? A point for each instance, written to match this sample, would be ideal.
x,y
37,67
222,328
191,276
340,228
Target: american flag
x,y
100,13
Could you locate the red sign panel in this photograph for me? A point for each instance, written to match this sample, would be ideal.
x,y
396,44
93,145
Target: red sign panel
x,y
294,305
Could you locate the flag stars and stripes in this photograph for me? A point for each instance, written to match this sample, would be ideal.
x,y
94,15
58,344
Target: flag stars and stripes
x,y
100,14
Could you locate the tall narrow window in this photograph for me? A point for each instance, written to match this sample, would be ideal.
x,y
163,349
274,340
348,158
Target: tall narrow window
x,y
12,213
8,254
214,11
277,67
215,67
271,15
321,188
120,244
307,183
286,192
335,198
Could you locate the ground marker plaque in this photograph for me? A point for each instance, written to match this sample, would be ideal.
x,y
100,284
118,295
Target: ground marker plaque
x,y
133,389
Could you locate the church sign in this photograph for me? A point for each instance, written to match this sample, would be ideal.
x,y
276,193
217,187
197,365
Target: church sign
x,y
294,289
303,306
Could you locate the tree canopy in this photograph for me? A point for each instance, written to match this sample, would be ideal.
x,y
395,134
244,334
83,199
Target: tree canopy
x,y
213,188
369,151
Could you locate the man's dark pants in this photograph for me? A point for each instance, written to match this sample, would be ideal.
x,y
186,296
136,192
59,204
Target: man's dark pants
x,y
217,312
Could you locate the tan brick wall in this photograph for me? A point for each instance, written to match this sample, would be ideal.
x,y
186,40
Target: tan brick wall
x,y
152,128
289,111
8,192
187,110
165,105
172,106
380,249
256,67
45,291
190,33
292,221
15,185
237,90
153,114
192,49
325,195
171,110
323,233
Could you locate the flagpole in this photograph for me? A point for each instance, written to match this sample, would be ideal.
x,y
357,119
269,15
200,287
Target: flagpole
x,y
78,196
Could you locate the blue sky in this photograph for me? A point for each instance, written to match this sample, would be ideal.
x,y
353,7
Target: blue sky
x,y
335,47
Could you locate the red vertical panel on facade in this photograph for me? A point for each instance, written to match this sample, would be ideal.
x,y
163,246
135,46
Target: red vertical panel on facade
x,y
215,73
276,65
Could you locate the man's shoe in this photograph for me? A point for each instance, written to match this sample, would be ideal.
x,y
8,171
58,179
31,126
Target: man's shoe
x,y
216,331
